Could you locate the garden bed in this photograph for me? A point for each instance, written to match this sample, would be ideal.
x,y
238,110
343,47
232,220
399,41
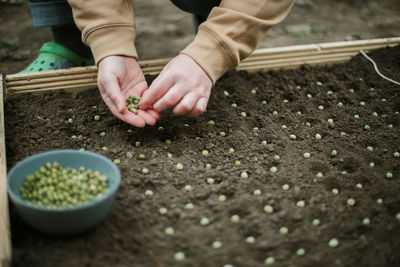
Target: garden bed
x,y
134,233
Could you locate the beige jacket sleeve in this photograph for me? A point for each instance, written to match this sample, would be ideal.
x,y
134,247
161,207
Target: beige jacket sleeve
x,y
107,26
232,31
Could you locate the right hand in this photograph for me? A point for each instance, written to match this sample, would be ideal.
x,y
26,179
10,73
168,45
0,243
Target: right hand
x,y
118,78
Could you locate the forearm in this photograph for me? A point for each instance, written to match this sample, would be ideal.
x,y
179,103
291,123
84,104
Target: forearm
x,y
232,32
107,26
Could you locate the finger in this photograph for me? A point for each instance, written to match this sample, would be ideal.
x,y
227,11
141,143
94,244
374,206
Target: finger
x,y
199,107
125,116
110,88
132,119
170,99
136,88
186,104
157,89
150,120
153,113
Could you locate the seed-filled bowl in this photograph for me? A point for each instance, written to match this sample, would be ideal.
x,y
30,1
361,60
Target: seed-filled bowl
x,y
64,219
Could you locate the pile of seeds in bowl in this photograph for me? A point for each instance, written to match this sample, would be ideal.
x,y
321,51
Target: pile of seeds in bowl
x,y
52,186
132,103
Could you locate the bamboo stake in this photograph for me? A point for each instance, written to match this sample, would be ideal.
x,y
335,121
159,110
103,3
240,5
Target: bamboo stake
x,y
5,241
290,65
296,59
265,56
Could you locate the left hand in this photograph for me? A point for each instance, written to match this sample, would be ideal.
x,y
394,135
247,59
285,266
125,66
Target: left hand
x,y
182,85
118,78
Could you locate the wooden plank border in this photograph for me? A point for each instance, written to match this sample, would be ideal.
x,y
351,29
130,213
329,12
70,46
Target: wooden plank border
x,y
260,59
5,237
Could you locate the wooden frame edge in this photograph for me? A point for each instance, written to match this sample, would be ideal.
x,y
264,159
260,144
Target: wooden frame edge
x,y
5,234
261,59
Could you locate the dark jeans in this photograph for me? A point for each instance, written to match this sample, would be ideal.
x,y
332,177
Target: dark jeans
x,y
48,13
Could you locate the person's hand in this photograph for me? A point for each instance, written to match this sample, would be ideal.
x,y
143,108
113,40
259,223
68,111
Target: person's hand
x,y
182,85
118,78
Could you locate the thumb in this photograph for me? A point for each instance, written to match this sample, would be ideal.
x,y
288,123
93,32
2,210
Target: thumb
x,y
112,90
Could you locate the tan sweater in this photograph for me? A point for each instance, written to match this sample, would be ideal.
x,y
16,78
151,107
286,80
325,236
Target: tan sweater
x,y
231,33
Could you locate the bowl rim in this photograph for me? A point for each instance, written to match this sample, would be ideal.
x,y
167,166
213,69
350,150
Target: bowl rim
x,y
17,198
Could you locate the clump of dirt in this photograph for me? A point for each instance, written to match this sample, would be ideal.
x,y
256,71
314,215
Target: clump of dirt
x,y
134,235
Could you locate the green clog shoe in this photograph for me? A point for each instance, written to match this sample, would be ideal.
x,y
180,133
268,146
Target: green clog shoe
x,y
54,56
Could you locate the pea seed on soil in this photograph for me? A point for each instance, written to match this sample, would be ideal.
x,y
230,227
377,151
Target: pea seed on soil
x,y
134,233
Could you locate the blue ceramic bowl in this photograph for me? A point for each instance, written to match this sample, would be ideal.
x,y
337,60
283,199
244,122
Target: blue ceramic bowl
x,y
64,220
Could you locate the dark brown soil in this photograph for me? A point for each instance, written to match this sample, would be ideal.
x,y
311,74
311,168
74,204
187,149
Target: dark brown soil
x,y
133,234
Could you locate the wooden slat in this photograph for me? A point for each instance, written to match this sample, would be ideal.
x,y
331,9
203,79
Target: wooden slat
x,y
53,84
50,73
90,75
268,58
71,88
5,240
